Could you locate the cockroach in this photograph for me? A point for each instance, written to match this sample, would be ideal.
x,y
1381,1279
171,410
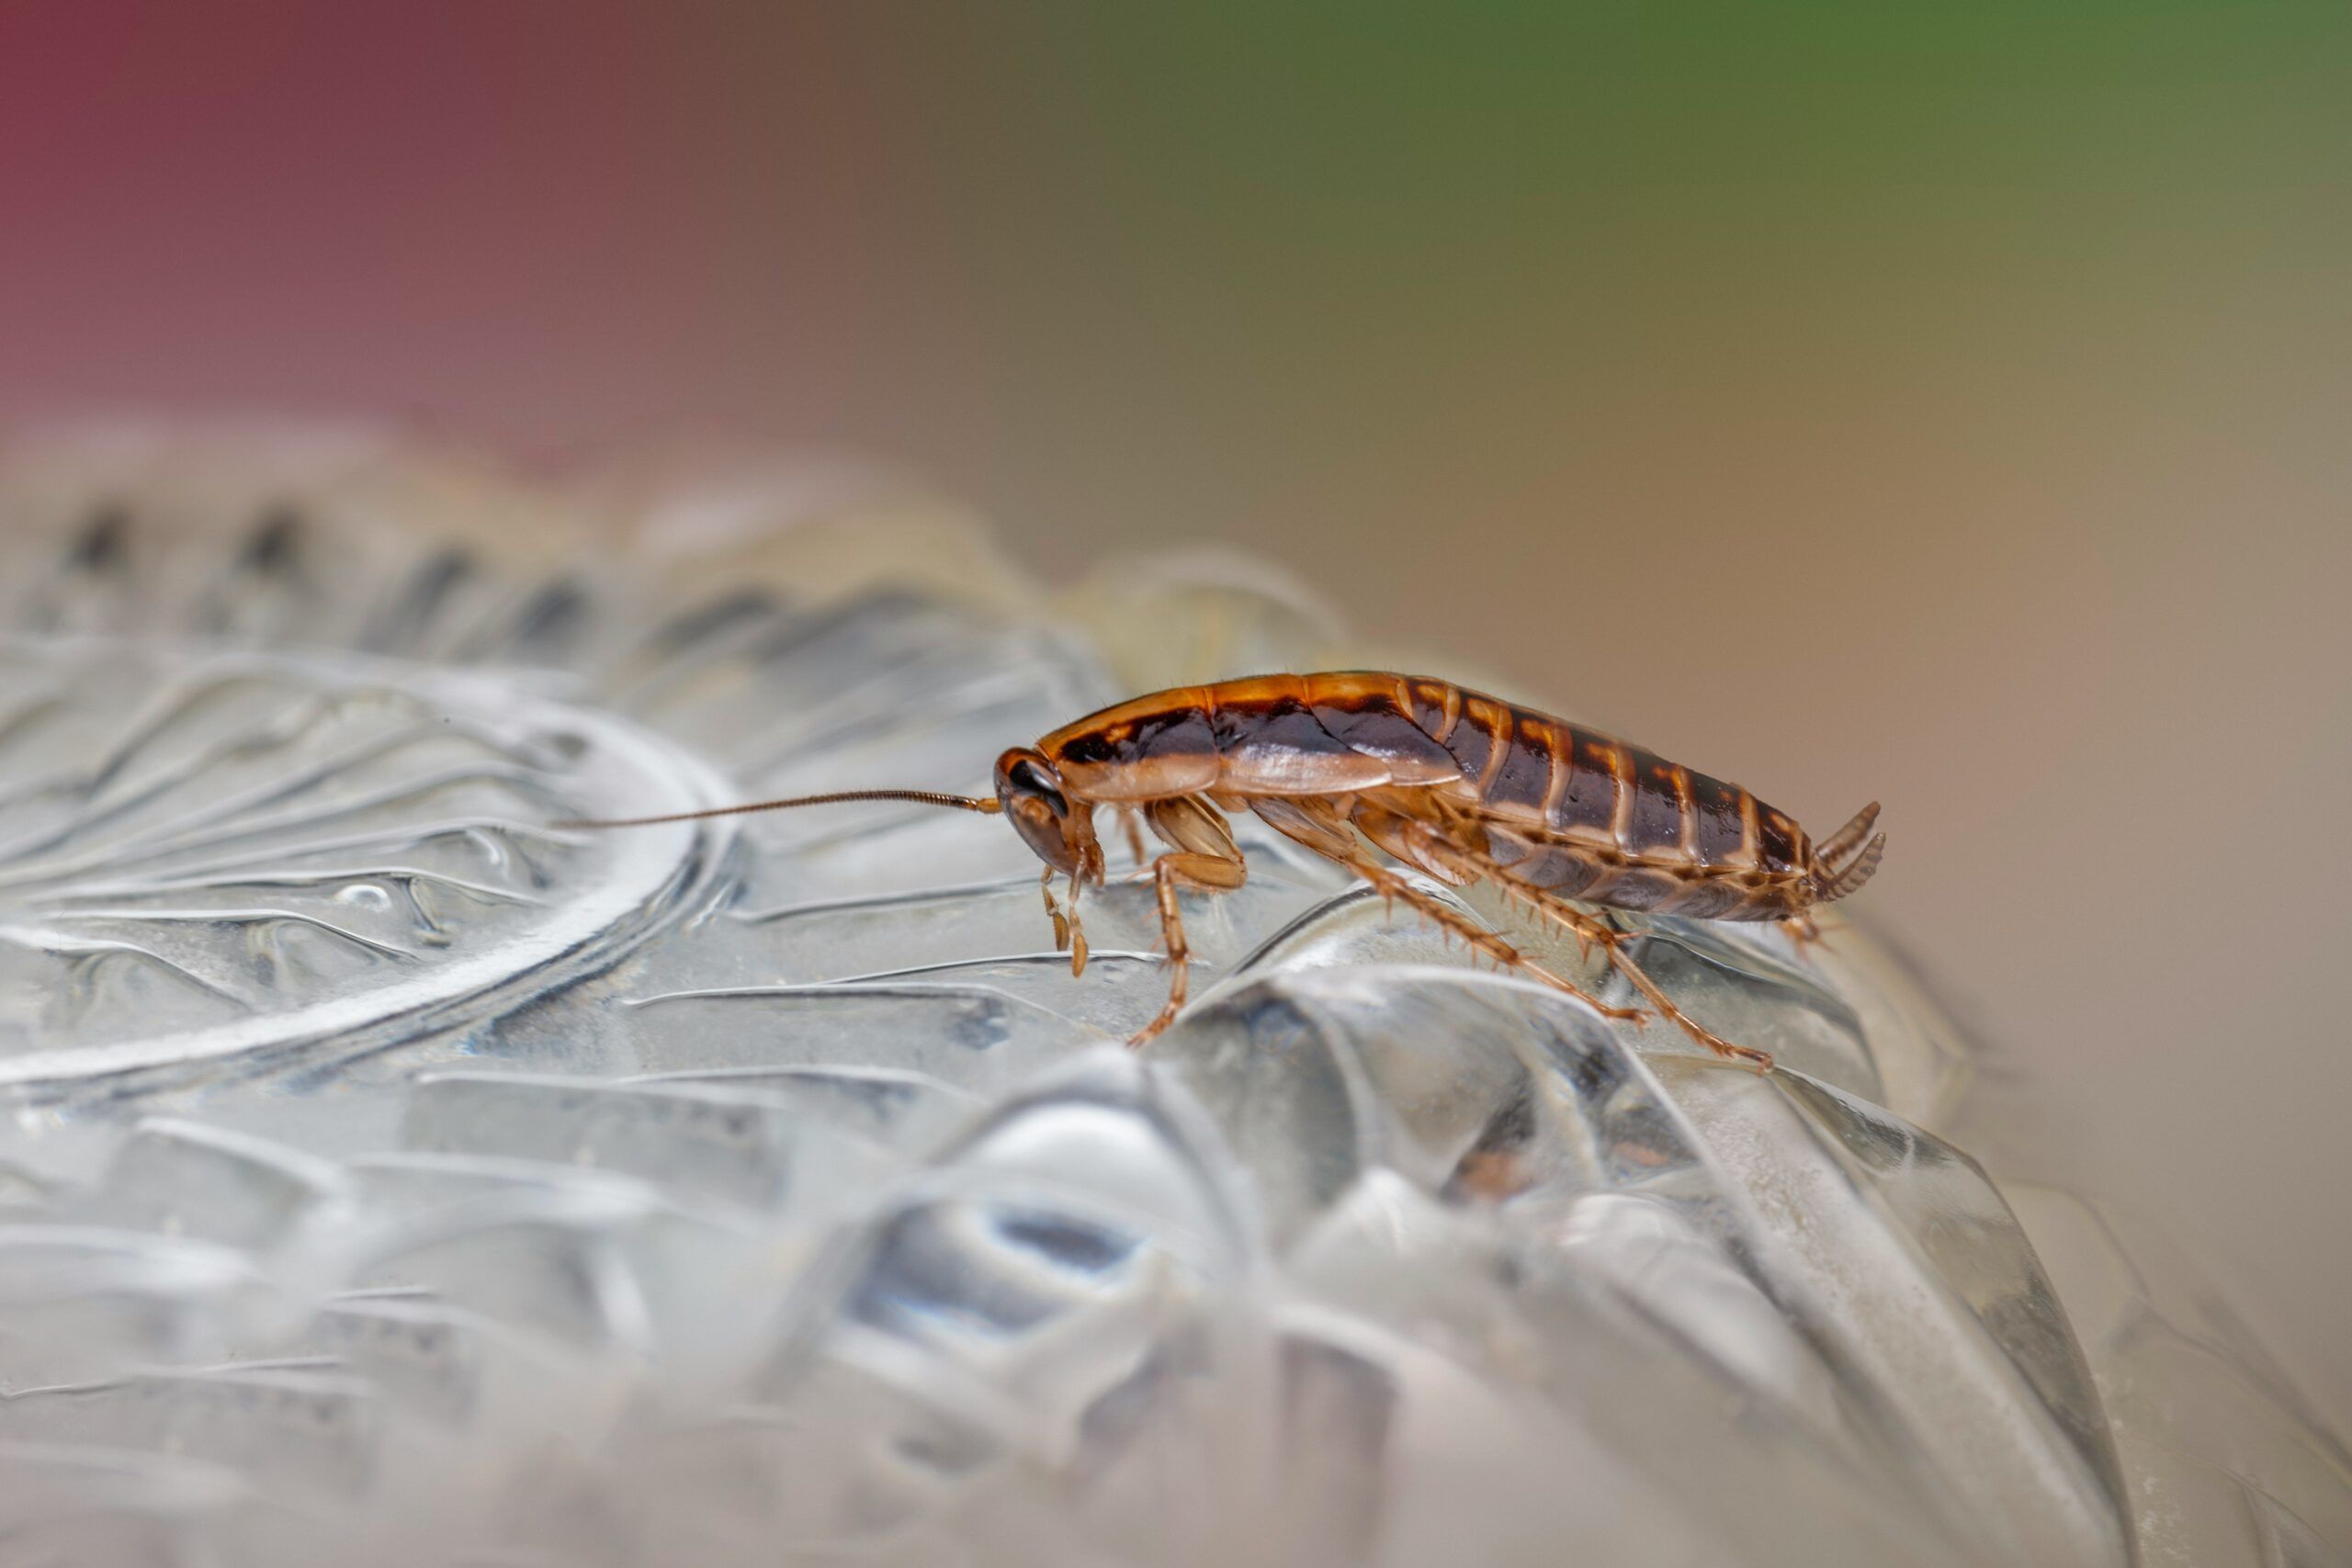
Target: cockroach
x,y
1459,785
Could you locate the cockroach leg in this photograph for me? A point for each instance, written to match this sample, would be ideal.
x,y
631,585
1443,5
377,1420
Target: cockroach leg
x,y
1131,823
1077,931
1594,930
1804,934
1590,932
1392,886
1054,913
1320,825
1207,873
1069,935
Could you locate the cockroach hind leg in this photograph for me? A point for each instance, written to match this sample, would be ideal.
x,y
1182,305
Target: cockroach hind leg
x,y
1634,1016
1639,978
1482,942
1592,928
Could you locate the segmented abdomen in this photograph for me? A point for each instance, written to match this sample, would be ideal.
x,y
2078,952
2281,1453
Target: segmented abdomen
x,y
1564,808
1587,816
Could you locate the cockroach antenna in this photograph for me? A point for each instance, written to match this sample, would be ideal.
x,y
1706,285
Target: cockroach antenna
x,y
985,805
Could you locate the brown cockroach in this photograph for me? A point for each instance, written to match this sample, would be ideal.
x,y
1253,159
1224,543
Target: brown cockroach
x,y
1459,785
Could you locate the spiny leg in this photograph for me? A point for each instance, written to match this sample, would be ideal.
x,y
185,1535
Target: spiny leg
x,y
1589,931
1391,885
1207,874
1322,825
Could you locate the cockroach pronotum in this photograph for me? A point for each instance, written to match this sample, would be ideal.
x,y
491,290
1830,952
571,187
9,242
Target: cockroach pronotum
x,y
1450,783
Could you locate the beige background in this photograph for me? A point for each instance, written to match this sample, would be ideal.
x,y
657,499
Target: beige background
x,y
1952,411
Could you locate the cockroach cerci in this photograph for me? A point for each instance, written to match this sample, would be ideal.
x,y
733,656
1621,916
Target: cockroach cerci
x,y
1460,786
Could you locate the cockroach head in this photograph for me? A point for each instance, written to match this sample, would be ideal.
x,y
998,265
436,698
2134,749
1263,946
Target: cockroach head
x,y
1035,802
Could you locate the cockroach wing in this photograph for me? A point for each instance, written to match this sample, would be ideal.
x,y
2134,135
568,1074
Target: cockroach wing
x,y
1271,744
1374,728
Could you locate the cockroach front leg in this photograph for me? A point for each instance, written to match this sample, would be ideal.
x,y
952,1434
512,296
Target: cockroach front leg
x,y
1203,873
1069,935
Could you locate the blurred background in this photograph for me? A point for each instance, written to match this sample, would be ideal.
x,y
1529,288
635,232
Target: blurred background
x,y
1950,406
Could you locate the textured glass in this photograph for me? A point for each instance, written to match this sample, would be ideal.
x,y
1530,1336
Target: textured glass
x,y
394,1177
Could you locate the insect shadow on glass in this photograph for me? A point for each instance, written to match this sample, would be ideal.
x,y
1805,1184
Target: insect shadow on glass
x,y
1455,784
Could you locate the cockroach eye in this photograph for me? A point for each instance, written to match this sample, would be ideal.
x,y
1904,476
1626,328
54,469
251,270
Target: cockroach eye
x,y
1029,779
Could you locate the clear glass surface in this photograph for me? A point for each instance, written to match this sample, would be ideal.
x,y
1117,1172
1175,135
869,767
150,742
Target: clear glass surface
x,y
392,1175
